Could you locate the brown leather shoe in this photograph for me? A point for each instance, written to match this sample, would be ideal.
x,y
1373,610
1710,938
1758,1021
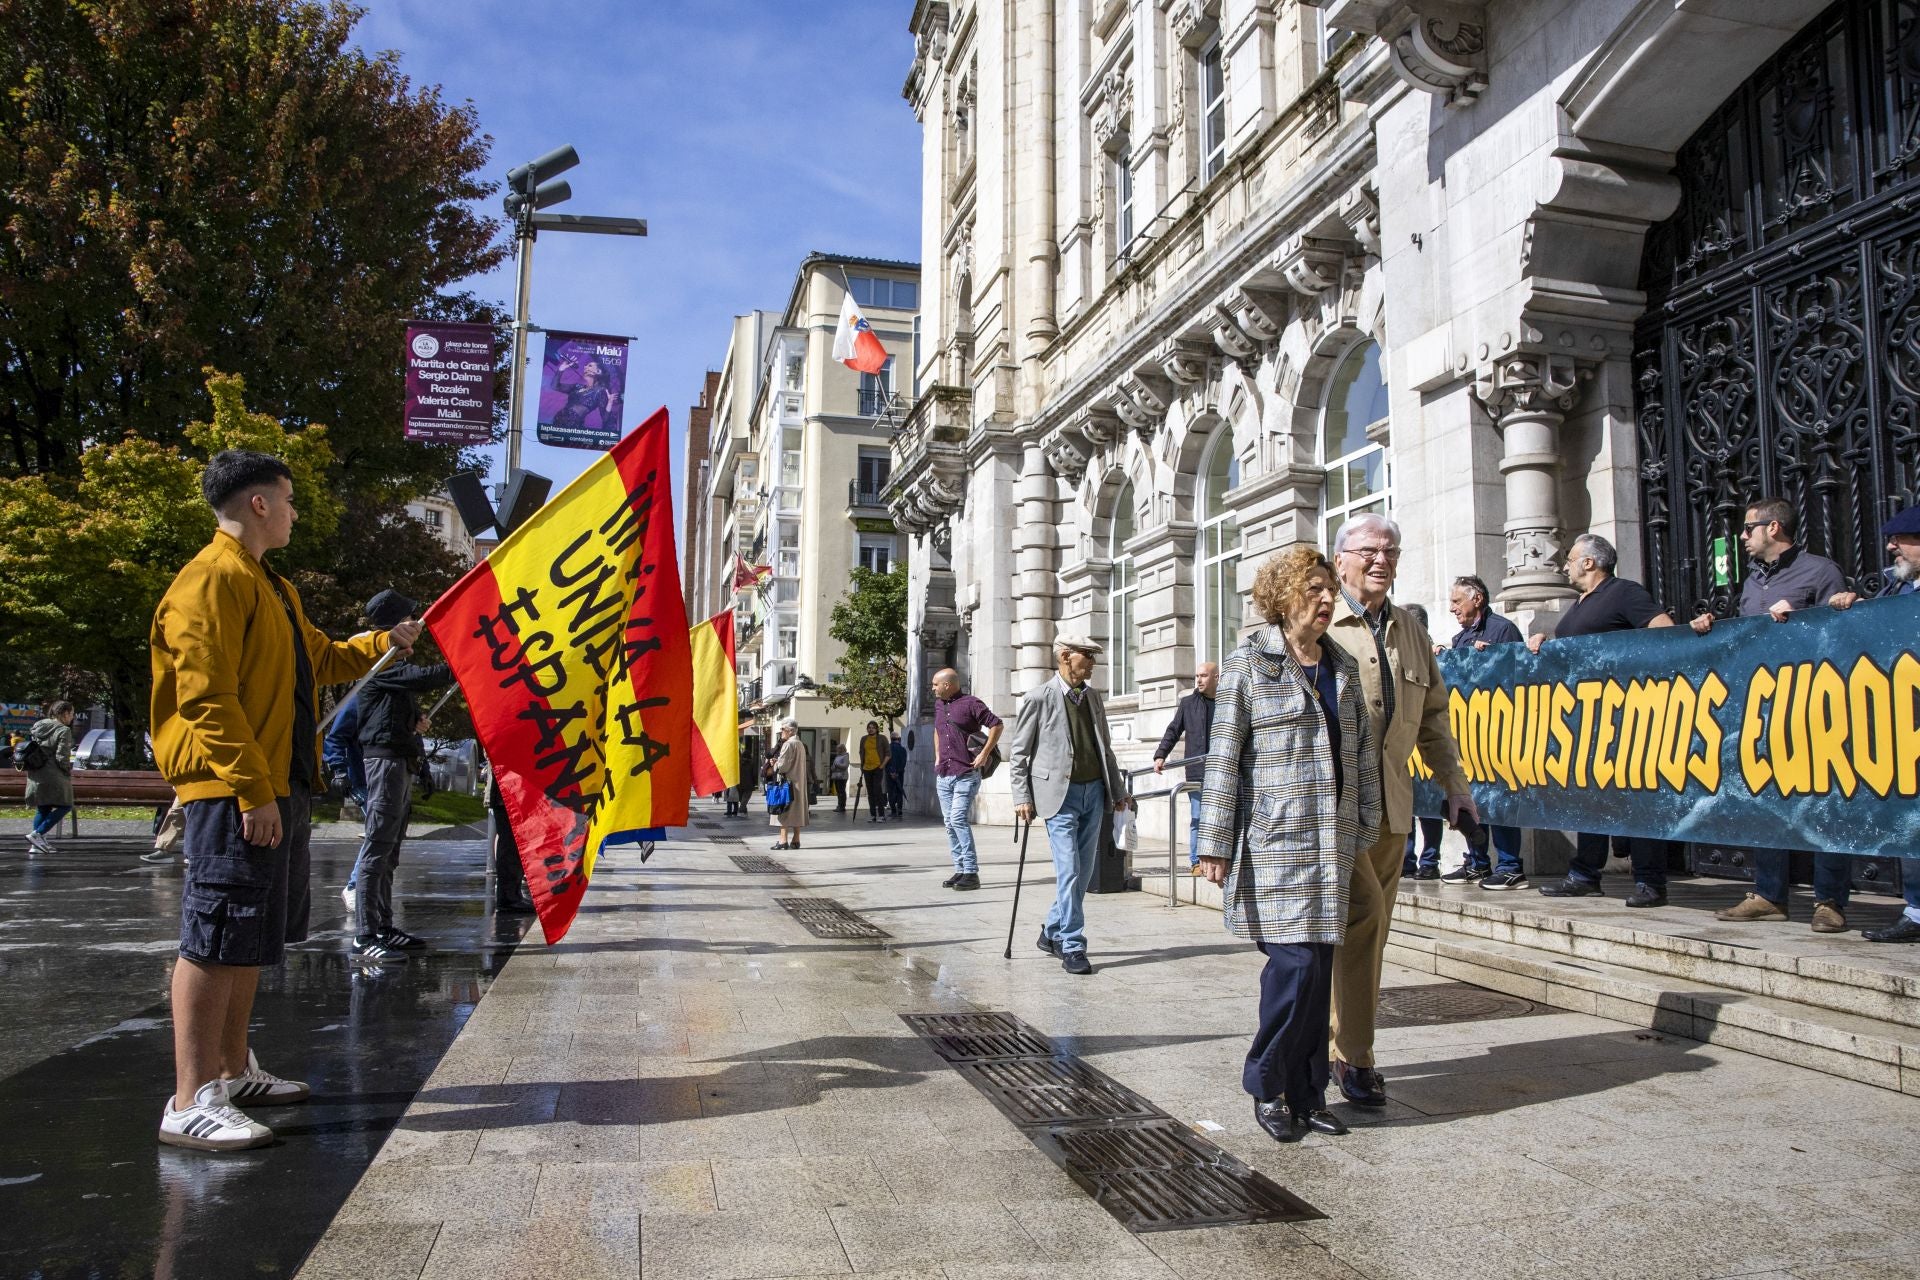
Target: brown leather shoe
x,y
1828,918
1752,907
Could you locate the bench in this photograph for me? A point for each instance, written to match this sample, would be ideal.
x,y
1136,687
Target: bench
x,y
117,788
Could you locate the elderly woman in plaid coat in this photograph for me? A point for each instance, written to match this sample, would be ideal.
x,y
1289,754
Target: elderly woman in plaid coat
x,y
1292,792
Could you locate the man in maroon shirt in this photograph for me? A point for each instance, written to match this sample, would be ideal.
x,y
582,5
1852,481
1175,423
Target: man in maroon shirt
x,y
957,769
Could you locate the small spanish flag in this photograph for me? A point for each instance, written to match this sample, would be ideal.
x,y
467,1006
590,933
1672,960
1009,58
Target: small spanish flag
x,y
716,706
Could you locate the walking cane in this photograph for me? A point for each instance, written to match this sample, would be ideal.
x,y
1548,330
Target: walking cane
x,y
1018,875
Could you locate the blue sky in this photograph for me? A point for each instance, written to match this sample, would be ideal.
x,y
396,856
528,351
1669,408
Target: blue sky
x,y
747,132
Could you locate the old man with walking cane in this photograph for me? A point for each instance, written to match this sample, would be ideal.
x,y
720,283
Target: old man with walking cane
x,y
1063,771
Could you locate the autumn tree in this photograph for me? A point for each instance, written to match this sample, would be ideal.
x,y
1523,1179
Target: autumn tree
x,y
230,182
871,621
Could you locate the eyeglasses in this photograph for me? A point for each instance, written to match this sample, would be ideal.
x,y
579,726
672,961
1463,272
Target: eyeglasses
x,y
1751,525
1370,554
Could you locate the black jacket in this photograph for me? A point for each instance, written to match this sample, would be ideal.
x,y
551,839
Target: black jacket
x,y
388,710
1193,718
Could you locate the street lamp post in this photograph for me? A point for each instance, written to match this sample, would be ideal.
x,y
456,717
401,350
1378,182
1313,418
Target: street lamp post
x,y
532,187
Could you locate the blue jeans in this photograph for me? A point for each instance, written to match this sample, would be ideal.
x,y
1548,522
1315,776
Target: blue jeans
x,y
1428,837
1910,886
1073,837
48,816
1193,828
1832,876
1506,844
956,811
1648,855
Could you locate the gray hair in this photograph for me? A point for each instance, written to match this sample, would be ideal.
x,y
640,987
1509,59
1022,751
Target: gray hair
x,y
788,722
1599,548
1361,524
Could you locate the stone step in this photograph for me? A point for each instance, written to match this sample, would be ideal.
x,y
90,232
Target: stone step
x,y
1838,972
1869,1050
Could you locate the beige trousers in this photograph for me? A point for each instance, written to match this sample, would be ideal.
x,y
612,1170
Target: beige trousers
x,y
1357,961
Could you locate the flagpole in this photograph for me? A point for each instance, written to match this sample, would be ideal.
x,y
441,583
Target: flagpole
x,y
385,658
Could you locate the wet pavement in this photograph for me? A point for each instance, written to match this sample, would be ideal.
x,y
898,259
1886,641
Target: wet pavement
x,y
86,944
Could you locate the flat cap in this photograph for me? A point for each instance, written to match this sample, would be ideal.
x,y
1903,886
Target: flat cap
x,y
1077,642
1907,521
390,608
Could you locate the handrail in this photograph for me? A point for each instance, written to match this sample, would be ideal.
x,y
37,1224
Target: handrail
x,y
1173,794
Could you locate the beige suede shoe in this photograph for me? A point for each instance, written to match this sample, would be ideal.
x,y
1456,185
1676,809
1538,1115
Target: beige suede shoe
x,y
1752,907
1828,919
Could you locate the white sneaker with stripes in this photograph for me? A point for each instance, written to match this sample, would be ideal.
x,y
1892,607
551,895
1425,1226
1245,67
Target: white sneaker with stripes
x,y
212,1123
264,1088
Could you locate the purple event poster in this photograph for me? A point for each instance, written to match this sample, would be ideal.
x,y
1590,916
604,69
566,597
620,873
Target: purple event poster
x,y
582,381
449,383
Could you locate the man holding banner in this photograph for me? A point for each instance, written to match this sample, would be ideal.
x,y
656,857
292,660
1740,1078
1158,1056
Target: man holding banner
x,y
1607,604
1903,579
1407,700
1783,578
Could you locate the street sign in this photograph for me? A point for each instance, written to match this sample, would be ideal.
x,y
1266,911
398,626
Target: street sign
x,y
449,383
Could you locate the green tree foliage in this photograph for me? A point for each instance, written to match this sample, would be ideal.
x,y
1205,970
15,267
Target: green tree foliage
x,y
187,182
871,621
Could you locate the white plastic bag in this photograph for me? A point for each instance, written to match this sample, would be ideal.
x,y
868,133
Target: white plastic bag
x,y
1125,831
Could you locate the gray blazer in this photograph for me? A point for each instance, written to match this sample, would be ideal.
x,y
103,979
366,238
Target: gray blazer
x,y
1040,754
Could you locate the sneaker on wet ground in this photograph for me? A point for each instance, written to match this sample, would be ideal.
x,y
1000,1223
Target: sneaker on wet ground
x,y
258,1085
1463,874
402,939
376,951
1505,880
212,1123
347,896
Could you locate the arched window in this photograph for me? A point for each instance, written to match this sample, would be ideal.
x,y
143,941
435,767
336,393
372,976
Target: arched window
x,y
1222,607
1353,451
1124,588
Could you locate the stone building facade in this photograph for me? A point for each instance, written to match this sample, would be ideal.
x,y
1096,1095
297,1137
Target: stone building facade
x,y
1205,278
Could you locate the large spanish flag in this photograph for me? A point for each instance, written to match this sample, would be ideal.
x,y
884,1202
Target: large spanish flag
x,y
716,706
571,644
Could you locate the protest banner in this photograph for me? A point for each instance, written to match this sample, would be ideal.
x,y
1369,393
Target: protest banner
x,y
570,641
716,707
583,378
1803,734
449,383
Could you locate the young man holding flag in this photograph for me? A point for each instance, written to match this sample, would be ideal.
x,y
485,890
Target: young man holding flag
x,y
235,666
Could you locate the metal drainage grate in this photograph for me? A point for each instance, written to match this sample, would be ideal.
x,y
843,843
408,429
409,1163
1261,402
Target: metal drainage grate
x,y
825,918
1158,1175
1047,1091
1139,1164
966,1037
758,864
1447,1002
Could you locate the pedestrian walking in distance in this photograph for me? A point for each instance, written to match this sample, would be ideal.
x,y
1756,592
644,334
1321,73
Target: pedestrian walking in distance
x,y
1062,769
1783,578
50,784
391,752
873,768
235,666
1284,811
1407,702
957,769
896,776
837,777
1192,721
791,765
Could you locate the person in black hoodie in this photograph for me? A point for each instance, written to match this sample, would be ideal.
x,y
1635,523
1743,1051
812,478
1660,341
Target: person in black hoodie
x,y
389,714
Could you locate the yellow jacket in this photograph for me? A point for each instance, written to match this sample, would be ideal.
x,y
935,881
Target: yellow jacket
x,y
1419,708
223,677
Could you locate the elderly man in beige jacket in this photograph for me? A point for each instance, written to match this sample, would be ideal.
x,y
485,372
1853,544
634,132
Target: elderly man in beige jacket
x,y
1407,700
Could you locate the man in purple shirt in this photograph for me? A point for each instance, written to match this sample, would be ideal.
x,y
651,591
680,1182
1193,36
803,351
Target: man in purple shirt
x,y
956,769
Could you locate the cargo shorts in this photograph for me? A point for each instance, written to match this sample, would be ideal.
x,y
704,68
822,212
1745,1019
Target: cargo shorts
x,y
243,903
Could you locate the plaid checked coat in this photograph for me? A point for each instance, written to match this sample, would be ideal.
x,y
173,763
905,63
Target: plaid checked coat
x,y
1268,805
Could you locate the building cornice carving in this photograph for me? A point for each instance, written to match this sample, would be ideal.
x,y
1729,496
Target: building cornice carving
x,y
1437,46
1528,382
1185,361
1262,313
1068,461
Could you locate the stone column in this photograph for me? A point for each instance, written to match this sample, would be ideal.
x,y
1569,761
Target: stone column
x,y
1035,541
1528,396
1164,608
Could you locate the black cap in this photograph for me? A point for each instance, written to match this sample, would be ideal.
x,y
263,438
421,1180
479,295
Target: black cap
x,y
1907,521
390,608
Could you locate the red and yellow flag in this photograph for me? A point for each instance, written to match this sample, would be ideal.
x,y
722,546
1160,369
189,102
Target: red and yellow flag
x,y
716,707
571,644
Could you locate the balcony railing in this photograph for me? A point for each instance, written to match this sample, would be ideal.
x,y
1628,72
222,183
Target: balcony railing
x,y
859,495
